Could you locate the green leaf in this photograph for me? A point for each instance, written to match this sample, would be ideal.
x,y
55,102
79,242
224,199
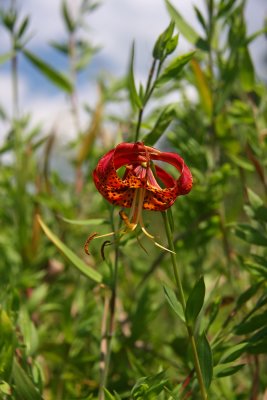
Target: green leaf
x,y
174,68
29,332
254,199
202,86
5,388
250,292
161,125
62,47
6,57
134,97
259,214
160,48
117,396
23,27
241,162
234,352
250,235
253,324
108,395
222,370
224,8
84,222
247,74
75,260
70,24
257,210
25,388
258,336
55,77
200,18
258,348
186,30
147,387
173,302
195,301
171,45
205,359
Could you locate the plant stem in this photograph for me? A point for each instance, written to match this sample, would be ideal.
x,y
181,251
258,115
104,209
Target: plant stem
x,y
108,325
147,95
183,303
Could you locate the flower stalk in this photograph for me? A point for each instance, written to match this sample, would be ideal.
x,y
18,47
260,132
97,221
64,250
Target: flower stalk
x,y
108,323
179,285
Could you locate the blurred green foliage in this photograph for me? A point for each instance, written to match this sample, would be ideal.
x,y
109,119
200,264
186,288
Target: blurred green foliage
x,y
52,304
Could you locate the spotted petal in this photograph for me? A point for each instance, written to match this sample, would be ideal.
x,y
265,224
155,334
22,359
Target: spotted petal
x,y
137,158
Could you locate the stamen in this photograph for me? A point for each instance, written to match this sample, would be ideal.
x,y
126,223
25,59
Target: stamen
x,y
133,206
131,226
106,243
164,248
94,236
144,229
88,240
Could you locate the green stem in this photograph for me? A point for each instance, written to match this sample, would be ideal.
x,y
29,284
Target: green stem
x,y
183,303
109,327
147,95
148,92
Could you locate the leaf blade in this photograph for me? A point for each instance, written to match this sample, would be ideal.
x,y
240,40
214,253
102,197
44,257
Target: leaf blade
x,y
195,301
54,76
75,260
205,359
173,302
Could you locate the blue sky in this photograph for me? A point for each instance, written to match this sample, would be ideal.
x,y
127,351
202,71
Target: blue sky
x,y
114,25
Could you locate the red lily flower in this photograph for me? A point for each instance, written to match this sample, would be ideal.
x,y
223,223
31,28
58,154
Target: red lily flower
x,y
144,184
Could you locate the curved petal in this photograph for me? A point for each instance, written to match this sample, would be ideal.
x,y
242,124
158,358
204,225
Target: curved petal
x,y
185,181
130,153
165,177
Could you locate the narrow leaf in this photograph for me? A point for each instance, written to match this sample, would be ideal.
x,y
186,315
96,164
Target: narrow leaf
x,y
173,302
203,88
67,17
251,235
161,43
25,389
161,125
253,324
72,257
6,57
84,222
205,359
91,133
5,388
234,352
23,27
254,199
171,45
250,292
186,30
134,97
195,301
222,370
55,77
200,18
108,395
241,162
247,74
174,68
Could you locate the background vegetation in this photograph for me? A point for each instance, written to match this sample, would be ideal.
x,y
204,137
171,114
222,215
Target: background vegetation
x,y
55,299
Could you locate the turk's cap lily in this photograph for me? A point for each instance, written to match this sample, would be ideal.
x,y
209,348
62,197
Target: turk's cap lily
x,y
160,189
144,184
